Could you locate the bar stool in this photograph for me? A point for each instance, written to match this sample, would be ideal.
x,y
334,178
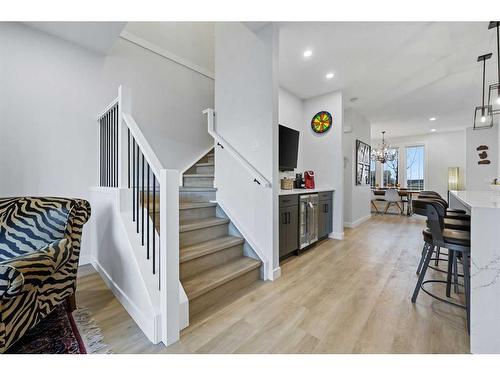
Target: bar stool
x,y
426,194
456,241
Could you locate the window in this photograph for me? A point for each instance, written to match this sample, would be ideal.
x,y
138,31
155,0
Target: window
x,y
391,173
373,173
415,167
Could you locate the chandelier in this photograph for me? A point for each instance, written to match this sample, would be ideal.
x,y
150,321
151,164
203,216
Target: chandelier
x,y
383,152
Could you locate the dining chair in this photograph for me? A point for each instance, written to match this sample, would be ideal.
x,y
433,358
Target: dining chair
x,y
392,196
376,198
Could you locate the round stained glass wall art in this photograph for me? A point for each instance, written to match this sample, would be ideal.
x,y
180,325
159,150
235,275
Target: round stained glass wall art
x,y
321,122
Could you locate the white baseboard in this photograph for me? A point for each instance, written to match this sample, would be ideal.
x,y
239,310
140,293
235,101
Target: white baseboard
x,y
276,274
148,324
358,222
84,260
336,235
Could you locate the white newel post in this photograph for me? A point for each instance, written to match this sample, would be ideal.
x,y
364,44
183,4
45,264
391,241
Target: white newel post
x,y
125,106
169,254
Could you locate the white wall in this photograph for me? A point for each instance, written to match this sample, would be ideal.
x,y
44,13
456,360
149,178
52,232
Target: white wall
x,y
323,152
246,106
291,115
442,150
51,92
356,197
479,177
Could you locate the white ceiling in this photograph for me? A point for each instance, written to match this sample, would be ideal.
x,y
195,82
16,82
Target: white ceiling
x,y
96,36
403,73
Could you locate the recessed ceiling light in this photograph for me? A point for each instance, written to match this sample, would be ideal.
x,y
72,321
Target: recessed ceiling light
x,y
433,130
329,76
432,119
308,53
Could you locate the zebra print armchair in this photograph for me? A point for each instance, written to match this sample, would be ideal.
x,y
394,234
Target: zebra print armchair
x,y
39,251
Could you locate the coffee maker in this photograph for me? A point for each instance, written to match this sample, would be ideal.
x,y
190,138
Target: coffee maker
x,y
298,183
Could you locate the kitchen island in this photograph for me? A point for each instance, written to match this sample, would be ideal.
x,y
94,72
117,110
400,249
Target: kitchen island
x,y
484,208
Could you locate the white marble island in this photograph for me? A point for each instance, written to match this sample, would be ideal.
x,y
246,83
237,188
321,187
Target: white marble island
x,y
484,208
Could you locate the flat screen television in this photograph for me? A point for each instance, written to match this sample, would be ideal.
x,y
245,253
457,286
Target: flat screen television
x,y
288,148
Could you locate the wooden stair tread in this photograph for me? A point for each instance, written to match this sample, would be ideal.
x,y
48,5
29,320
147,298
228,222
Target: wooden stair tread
x,y
189,225
194,175
204,282
208,247
192,205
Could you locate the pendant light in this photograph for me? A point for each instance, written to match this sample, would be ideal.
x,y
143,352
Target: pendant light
x,y
383,152
494,91
483,119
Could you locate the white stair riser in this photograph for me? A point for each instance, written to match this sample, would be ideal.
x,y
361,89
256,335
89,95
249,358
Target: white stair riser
x,y
196,213
201,235
198,265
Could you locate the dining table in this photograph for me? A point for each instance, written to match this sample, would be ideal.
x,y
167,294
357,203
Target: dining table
x,y
408,193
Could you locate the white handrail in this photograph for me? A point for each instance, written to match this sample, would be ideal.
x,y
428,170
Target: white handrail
x,y
258,177
144,146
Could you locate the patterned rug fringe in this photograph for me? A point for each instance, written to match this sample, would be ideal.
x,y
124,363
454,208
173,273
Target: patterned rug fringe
x,y
91,334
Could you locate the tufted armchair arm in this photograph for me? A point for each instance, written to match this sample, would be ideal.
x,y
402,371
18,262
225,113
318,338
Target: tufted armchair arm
x,y
31,270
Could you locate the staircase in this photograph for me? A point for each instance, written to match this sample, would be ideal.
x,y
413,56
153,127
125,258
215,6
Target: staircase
x,y
212,263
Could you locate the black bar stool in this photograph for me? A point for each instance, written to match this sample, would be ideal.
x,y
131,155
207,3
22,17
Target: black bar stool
x,y
456,241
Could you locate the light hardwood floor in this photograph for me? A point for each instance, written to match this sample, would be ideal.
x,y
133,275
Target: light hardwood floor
x,y
350,296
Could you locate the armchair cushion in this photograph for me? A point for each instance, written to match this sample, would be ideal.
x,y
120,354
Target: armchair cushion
x,y
31,270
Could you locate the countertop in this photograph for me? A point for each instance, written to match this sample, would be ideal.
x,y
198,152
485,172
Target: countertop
x,y
477,199
305,191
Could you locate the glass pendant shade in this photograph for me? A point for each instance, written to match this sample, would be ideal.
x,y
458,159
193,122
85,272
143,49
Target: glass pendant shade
x,y
483,118
494,99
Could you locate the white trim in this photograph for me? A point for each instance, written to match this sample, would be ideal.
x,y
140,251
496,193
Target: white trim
x,y
87,259
138,41
108,107
146,323
358,222
276,274
336,235
265,262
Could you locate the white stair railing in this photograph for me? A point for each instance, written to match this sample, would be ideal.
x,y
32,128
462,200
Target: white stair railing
x,y
127,161
258,178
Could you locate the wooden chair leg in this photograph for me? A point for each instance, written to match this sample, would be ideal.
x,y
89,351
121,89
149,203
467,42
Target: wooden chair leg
x,y
375,207
387,207
70,303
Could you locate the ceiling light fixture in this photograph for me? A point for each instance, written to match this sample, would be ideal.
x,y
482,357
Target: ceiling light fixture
x,y
384,152
433,130
432,119
494,89
308,53
483,118
329,76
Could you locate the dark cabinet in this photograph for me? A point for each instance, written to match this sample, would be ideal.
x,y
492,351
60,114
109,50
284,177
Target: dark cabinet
x,y
325,224
289,225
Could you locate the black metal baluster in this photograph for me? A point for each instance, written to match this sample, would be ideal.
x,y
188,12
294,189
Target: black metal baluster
x,y
112,147
108,151
142,204
117,146
133,179
128,157
149,210
154,223
100,152
137,191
